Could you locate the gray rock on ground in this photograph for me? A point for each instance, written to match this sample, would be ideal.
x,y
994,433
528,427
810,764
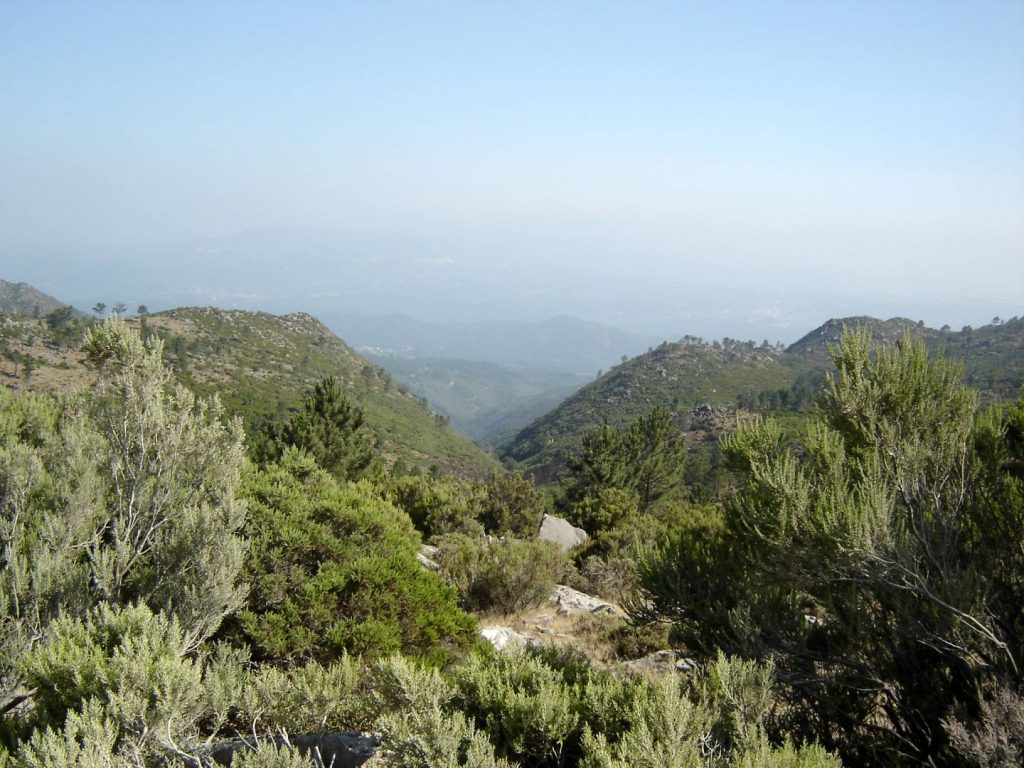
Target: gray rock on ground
x,y
503,637
344,749
561,532
570,600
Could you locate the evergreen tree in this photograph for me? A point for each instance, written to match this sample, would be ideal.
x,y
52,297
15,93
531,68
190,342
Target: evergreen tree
x,y
330,427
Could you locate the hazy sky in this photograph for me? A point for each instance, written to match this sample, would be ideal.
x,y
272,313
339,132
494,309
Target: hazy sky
x,y
847,146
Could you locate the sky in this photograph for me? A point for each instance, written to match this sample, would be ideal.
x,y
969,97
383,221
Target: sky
x,y
867,152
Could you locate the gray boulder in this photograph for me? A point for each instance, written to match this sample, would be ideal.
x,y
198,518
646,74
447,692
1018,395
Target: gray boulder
x,y
348,749
561,532
570,600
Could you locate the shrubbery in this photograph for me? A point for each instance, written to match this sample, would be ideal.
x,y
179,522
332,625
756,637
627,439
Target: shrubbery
x,y
333,570
879,563
503,576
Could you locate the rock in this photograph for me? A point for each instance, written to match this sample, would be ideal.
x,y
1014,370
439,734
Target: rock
x,y
426,557
344,749
502,637
570,600
660,662
561,532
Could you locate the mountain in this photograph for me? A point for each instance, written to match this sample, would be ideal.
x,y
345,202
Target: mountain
x,y
691,378
23,299
562,344
484,401
261,366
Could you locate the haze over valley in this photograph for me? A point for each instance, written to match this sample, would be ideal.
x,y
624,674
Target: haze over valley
x,y
512,385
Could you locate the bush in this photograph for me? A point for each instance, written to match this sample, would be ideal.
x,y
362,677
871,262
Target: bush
x,y
505,576
333,571
877,563
510,504
436,505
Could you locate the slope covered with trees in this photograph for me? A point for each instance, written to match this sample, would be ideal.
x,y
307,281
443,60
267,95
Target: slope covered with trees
x,y
261,366
744,376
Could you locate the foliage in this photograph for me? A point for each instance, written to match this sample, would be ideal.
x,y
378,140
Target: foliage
x,y
857,563
419,727
131,663
122,495
333,570
436,505
646,460
522,703
510,504
995,738
330,427
505,576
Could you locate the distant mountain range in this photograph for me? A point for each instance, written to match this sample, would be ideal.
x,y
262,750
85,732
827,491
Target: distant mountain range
x,y
684,375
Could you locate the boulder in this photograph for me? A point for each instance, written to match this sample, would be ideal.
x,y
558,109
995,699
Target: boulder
x,y
343,749
570,600
503,637
660,662
561,532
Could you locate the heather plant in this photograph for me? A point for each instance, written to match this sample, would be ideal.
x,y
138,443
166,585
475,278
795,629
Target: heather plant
x,y
121,495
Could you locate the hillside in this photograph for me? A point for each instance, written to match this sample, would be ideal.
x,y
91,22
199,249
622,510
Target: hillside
x,y
730,375
260,365
23,299
484,401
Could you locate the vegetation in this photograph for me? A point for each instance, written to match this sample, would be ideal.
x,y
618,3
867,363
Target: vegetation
x,y
702,384
857,592
504,576
262,368
860,562
333,570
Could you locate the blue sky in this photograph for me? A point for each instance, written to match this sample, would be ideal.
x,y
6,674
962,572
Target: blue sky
x,y
880,142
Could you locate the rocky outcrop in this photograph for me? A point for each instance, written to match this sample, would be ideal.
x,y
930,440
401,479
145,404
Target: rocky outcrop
x,y
561,532
503,637
570,600
660,662
348,749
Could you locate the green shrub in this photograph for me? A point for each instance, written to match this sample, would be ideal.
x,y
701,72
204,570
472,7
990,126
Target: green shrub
x,y
504,576
131,662
524,705
436,505
510,505
333,570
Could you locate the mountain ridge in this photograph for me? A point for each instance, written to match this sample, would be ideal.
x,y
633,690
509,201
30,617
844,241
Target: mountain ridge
x,y
691,373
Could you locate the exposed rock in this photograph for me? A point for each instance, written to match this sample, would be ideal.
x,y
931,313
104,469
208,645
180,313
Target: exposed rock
x,y
347,749
570,600
660,662
502,637
426,557
561,532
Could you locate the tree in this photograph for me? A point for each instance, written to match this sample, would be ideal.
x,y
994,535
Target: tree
x,y
119,309
646,458
330,427
99,308
655,452
511,504
856,561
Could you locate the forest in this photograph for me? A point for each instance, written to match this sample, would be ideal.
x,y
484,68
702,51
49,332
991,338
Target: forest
x,y
194,578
